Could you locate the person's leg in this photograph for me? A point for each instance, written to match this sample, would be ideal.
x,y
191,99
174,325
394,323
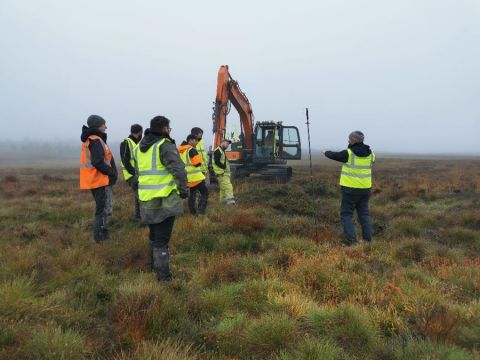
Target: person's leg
x,y
202,206
192,200
133,182
108,211
346,213
99,197
228,191
222,185
364,216
160,252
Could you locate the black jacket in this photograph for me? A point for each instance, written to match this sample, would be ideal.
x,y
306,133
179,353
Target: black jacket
x,y
359,149
98,154
168,156
126,156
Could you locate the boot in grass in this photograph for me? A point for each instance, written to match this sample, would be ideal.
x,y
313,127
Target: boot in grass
x,y
161,264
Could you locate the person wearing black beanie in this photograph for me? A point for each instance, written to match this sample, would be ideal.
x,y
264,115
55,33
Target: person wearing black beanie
x,y
98,173
128,165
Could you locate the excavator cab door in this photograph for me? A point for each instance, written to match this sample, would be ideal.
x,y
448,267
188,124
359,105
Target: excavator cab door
x,y
273,141
289,145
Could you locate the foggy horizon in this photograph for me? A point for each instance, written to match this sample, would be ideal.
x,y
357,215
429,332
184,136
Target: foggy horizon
x,y
403,72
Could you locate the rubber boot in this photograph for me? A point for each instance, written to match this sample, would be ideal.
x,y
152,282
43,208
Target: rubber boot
x,y
161,264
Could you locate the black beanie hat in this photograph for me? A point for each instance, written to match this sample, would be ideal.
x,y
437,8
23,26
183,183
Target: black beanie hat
x,y
95,121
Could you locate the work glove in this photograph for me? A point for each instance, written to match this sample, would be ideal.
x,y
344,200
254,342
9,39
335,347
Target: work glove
x,y
184,193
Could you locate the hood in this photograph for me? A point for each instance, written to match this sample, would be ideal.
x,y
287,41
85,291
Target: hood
x,y
360,149
135,140
150,138
184,147
86,132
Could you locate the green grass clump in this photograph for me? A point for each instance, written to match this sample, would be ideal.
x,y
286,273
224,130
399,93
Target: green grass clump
x,y
271,333
418,349
348,326
54,343
413,250
165,350
315,349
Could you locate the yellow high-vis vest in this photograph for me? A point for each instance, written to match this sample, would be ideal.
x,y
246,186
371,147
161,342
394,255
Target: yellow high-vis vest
x,y
357,171
194,173
217,169
131,145
201,150
154,180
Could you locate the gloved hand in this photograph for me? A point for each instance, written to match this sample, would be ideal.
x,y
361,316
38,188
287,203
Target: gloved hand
x,y
184,193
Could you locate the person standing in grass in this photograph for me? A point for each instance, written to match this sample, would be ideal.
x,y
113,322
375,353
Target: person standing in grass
x,y
98,173
162,182
198,134
196,179
221,167
356,184
128,166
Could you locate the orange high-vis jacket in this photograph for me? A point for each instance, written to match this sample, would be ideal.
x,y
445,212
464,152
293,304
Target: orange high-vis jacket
x,y
90,177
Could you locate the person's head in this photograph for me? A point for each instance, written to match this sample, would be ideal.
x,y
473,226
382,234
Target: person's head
x,y
161,125
356,137
192,140
136,130
197,132
225,143
97,122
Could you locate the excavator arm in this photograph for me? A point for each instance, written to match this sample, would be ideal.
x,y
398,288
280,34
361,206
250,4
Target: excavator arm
x,y
229,91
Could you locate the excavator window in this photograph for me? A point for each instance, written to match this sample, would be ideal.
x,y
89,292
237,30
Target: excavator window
x,y
290,143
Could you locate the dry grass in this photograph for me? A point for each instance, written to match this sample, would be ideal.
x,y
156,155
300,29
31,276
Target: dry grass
x,y
265,279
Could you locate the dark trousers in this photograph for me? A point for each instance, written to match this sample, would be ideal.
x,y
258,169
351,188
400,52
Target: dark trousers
x,y
202,203
355,199
103,212
133,183
160,233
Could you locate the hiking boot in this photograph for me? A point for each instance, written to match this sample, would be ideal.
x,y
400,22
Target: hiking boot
x,y
161,266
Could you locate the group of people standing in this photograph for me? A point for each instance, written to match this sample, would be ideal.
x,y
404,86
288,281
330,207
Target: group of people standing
x,y
160,176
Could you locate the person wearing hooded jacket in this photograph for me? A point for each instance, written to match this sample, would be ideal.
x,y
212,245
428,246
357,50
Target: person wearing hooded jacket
x,y
356,184
98,173
196,178
128,167
162,182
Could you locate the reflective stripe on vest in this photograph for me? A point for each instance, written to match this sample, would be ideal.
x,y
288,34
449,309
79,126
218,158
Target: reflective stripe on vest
x,y
194,173
90,177
154,180
217,169
131,145
357,171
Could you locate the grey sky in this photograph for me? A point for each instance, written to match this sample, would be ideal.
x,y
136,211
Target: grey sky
x,y
405,72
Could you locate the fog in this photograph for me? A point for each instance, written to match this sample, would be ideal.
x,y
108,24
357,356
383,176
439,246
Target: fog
x,y
404,72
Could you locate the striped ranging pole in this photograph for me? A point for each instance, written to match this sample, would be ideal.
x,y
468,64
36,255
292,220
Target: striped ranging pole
x,y
311,169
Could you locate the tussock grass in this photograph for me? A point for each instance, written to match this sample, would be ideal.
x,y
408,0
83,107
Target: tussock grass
x,y
348,326
165,350
55,343
261,280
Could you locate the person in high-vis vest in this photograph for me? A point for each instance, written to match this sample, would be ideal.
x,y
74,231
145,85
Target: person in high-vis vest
x,y
196,179
198,133
128,166
356,184
221,167
162,183
98,173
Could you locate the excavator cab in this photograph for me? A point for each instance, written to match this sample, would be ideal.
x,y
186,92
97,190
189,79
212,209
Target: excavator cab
x,y
276,142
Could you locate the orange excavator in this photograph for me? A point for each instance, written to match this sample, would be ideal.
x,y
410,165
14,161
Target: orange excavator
x,y
260,147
